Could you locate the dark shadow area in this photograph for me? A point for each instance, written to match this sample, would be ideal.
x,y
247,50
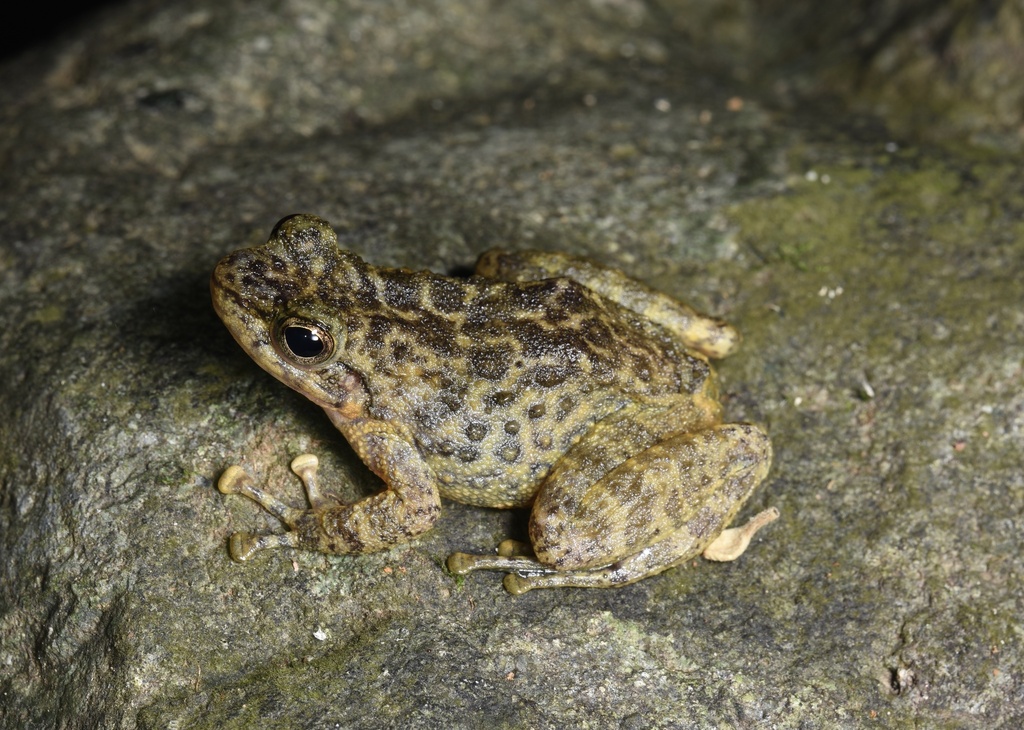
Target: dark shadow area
x,y
24,25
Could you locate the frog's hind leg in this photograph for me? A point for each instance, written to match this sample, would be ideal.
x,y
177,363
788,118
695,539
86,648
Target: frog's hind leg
x,y
664,506
692,483
526,573
707,335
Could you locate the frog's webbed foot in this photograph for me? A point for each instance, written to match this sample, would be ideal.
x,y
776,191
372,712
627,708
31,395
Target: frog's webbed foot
x,y
235,480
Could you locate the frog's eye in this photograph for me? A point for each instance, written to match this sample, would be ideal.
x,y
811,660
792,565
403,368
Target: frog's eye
x,y
305,343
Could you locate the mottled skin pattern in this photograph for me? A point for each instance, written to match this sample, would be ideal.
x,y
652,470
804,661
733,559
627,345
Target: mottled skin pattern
x,y
544,379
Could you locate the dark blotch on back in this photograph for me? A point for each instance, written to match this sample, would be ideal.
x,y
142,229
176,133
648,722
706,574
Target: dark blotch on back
x,y
548,376
402,293
500,399
596,332
446,295
366,293
568,300
565,344
454,398
431,415
490,362
377,332
535,296
433,332
400,351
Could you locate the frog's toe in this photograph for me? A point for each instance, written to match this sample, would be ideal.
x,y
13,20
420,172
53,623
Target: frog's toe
x,y
514,548
234,480
305,468
517,584
461,563
242,545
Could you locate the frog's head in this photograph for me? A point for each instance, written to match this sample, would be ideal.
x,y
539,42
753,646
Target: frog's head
x,y
285,302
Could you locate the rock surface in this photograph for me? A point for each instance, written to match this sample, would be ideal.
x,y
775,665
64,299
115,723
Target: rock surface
x,y
874,271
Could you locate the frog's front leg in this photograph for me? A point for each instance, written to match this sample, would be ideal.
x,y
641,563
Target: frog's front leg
x,y
667,504
407,508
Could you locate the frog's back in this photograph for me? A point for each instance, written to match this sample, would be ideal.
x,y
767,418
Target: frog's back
x,y
497,380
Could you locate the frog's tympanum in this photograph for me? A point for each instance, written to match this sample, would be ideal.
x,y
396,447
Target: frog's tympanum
x,y
543,381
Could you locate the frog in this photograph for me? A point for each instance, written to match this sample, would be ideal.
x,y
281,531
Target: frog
x,y
542,381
